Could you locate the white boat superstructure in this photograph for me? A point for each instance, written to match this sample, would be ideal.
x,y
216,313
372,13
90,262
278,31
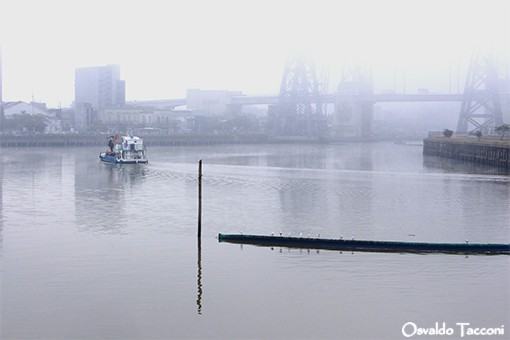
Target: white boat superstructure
x,y
125,150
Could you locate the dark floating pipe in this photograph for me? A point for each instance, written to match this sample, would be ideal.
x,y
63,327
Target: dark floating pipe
x,y
362,245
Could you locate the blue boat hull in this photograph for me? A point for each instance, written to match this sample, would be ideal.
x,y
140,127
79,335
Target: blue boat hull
x,y
115,160
361,245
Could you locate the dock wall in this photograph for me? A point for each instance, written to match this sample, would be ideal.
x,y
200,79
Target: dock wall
x,y
487,153
43,140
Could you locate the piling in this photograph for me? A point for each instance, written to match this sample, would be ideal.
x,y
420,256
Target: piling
x,y
199,235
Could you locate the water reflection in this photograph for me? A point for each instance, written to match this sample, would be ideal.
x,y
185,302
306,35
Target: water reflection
x,y
1,202
27,186
106,190
125,175
303,202
199,277
350,157
298,156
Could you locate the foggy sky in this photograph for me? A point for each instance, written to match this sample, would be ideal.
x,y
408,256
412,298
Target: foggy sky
x,y
166,47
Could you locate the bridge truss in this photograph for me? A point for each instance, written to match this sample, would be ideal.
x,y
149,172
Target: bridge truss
x,y
485,91
299,111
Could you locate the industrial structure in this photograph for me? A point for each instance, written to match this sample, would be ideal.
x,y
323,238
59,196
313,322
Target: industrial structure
x,y
486,98
299,111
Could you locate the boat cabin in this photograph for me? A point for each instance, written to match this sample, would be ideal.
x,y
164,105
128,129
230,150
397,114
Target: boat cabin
x,y
130,148
125,149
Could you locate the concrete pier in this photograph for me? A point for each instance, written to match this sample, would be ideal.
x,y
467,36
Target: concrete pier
x,y
488,152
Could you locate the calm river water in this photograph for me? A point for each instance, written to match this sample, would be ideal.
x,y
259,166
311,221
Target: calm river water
x,y
94,251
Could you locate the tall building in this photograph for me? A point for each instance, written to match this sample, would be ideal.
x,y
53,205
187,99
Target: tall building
x,y
96,88
1,98
100,87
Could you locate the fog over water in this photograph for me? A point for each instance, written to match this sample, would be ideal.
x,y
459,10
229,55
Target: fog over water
x,y
90,250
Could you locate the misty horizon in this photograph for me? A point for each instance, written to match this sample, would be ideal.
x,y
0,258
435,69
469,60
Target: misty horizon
x,y
165,48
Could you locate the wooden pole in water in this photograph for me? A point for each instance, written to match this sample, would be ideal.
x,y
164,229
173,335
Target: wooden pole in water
x,y
199,199
199,277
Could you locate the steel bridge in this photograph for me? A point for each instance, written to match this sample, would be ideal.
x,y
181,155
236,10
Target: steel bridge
x,y
325,98
373,98
299,108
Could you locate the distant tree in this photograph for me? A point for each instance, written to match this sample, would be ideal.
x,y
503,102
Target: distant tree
x,y
502,130
447,133
26,123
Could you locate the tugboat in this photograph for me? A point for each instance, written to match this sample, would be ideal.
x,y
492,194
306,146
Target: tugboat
x,y
124,150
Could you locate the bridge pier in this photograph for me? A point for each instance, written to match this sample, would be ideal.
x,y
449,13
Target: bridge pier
x,y
352,119
353,116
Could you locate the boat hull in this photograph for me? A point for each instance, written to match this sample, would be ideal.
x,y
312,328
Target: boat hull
x,y
362,245
112,159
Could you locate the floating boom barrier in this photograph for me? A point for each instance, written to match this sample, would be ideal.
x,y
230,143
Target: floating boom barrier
x,y
362,245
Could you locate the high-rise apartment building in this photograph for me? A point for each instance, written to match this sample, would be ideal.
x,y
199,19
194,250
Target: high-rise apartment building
x,y
1,98
96,88
100,87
